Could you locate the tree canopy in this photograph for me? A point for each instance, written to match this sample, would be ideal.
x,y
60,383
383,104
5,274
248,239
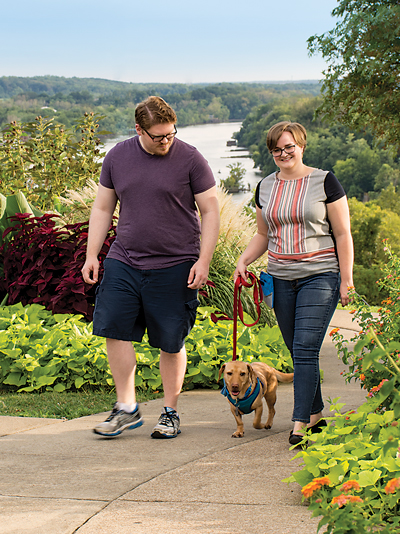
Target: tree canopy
x,y
361,87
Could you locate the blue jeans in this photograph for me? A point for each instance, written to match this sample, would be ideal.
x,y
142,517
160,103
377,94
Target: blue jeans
x,y
303,309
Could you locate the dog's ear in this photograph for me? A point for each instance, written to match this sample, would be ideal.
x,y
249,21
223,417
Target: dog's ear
x,y
221,371
251,372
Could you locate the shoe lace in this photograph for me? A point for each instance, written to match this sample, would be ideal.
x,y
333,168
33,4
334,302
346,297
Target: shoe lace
x,y
168,419
112,414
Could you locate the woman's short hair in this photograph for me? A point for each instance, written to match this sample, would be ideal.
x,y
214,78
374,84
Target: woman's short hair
x,y
297,130
154,110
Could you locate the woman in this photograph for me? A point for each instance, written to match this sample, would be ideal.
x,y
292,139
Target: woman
x,y
303,221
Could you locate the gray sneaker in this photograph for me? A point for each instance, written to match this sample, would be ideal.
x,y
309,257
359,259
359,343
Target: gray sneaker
x,y
117,421
167,426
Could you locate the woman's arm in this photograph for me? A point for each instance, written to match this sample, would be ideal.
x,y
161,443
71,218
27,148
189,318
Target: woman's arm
x,y
339,217
256,248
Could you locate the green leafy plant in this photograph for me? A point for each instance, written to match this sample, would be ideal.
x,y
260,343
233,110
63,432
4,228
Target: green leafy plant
x,y
386,325
11,205
351,471
234,182
210,344
360,452
43,158
44,352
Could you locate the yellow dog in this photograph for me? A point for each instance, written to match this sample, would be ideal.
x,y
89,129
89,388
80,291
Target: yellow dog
x,y
245,386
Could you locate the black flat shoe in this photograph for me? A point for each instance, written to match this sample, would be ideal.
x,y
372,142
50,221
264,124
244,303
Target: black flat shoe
x,y
317,428
295,439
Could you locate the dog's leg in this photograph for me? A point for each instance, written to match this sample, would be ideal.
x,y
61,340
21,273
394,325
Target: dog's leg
x,y
270,397
257,417
240,429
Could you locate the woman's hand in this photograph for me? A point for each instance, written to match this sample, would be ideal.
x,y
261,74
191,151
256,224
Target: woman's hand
x,y
241,270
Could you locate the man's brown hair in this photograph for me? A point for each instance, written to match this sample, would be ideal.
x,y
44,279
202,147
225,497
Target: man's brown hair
x,y
154,110
297,130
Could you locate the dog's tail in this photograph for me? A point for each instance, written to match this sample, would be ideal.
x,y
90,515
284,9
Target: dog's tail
x,y
283,377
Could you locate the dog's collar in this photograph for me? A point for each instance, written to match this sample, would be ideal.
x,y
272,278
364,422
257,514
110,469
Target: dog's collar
x,y
244,404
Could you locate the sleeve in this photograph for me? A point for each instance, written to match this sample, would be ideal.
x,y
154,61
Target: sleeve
x,y
333,188
257,196
201,175
105,175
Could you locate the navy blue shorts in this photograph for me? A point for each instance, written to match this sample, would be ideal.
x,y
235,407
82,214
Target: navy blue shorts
x,y
130,300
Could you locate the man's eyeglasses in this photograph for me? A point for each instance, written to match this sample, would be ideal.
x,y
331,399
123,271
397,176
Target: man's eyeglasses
x,y
276,152
159,138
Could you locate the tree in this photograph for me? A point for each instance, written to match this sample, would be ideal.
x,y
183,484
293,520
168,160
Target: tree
x,y
235,179
361,86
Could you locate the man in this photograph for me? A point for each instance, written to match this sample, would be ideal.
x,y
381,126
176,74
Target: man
x,y
157,262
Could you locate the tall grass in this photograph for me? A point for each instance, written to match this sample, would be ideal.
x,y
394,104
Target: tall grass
x,y
237,228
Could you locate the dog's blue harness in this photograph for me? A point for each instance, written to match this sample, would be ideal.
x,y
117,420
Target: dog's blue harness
x,y
244,404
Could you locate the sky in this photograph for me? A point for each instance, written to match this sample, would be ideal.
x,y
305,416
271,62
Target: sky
x,y
181,41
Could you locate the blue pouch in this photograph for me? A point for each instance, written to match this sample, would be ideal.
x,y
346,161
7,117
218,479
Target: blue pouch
x,y
267,285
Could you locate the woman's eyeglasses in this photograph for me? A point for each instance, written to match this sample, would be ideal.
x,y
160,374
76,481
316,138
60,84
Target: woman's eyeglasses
x,y
277,152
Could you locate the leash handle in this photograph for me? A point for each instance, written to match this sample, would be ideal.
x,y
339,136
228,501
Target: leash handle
x,y
237,303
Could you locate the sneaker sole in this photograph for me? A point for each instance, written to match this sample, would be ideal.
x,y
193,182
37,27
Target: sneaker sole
x,y
119,431
158,435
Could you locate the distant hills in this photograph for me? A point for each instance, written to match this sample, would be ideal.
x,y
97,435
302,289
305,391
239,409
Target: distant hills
x,y
64,99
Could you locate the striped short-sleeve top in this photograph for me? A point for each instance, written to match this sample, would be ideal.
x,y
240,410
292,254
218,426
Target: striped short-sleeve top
x,y
300,237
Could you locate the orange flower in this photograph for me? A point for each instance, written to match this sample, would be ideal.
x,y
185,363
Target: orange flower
x,y
314,485
334,331
341,499
375,389
349,485
354,498
392,485
362,377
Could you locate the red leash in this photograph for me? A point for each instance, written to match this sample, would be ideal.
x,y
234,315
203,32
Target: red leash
x,y
238,307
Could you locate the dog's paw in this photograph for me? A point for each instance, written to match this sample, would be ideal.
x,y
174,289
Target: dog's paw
x,y
267,427
238,434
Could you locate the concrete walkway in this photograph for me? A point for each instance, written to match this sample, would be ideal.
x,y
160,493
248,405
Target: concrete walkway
x,y
60,478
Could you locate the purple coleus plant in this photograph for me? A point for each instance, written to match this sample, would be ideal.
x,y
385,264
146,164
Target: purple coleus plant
x,y
42,264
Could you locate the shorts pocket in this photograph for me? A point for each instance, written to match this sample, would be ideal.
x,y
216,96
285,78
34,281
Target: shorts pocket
x,y
191,308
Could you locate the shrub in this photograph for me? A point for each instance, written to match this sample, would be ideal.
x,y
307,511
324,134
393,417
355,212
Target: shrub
x,y
351,471
385,323
40,351
43,159
43,262
365,281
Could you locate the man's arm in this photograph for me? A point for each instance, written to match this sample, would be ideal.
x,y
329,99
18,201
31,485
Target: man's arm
x,y
99,224
209,210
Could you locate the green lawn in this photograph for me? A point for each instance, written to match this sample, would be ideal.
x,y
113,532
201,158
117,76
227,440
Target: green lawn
x,y
66,405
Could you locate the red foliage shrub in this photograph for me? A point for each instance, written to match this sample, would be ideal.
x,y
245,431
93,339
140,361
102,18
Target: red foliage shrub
x,y
43,262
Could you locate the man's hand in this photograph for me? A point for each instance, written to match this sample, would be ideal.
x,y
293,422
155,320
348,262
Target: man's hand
x,y
198,275
90,271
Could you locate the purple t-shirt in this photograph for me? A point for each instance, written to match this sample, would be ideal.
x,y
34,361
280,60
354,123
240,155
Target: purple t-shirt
x,y
158,224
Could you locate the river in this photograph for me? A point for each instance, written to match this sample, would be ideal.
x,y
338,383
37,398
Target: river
x,y
211,141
